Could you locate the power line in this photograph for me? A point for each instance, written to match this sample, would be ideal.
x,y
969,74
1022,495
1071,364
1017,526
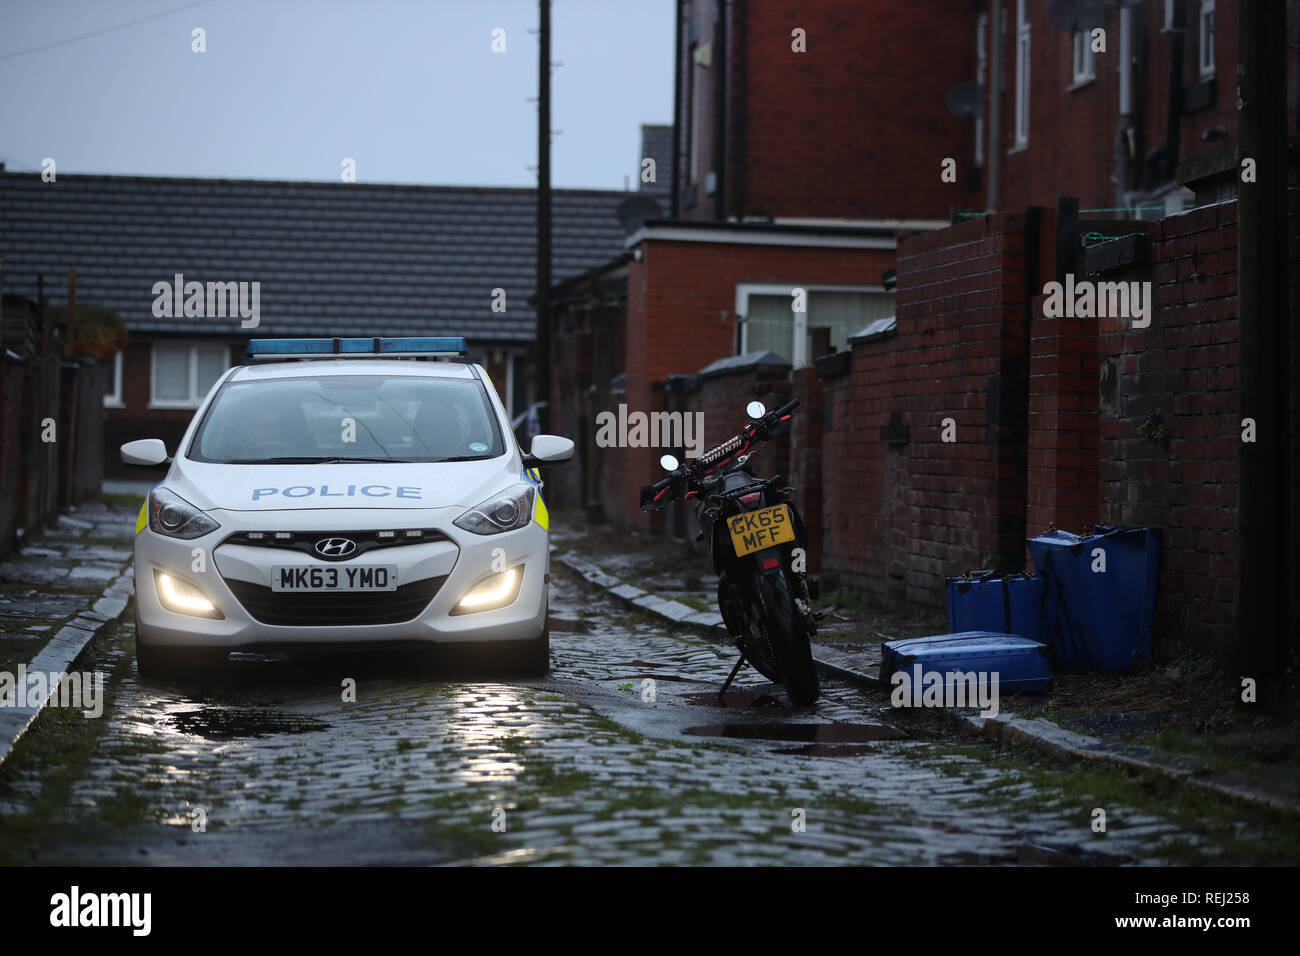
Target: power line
x,y
100,33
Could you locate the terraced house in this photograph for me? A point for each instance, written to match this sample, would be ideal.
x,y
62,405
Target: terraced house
x,y
197,266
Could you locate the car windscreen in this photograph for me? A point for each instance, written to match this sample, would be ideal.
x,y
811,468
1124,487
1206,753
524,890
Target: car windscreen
x,y
333,418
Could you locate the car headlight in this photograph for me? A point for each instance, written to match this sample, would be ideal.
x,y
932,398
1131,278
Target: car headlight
x,y
495,591
177,594
172,515
508,511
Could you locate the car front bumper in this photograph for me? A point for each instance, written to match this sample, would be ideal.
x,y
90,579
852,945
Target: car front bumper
x,y
219,568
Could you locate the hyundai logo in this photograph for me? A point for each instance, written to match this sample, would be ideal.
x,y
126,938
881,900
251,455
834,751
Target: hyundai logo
x,y
335,547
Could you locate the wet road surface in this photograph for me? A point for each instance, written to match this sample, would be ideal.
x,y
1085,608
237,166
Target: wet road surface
x,y
620,756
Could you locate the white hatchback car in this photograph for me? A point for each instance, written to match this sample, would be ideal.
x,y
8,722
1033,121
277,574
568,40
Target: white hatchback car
x,y
344,503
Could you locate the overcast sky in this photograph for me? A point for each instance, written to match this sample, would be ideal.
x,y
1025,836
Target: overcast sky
x,y
288,89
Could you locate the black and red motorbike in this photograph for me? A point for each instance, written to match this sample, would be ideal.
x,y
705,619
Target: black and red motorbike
x,y
759,549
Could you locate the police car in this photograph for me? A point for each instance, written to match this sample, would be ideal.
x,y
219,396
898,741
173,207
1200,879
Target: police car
x,y
365,500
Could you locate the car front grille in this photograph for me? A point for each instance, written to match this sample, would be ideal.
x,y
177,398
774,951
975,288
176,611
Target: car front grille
x,y
338,609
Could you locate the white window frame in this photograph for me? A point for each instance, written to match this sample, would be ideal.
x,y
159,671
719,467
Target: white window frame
x,y
1022,76
1083,64
1170,6
1205,30
193,401
113,397
744,290
981,73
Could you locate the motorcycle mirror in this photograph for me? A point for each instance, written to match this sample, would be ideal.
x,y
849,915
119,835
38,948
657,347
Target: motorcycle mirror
x,y
756,410
668,463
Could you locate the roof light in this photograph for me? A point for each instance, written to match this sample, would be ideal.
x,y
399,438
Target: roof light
x,y
357,347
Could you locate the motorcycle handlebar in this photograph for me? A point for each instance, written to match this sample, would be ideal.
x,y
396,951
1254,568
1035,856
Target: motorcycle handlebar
x,y
653,497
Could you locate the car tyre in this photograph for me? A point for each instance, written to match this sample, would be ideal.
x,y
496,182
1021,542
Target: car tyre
x,y
533,658
180,662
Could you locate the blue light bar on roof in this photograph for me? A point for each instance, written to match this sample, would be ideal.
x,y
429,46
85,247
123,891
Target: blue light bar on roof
x,y
357,347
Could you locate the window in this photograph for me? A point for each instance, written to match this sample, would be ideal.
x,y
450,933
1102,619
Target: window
x,y
770,324
981,68
1171,18
113,397
182,374
1084,70
1022,74
1207,38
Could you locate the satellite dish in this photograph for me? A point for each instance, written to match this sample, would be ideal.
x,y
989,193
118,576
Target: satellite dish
x,y
965,100
635,210
1073,16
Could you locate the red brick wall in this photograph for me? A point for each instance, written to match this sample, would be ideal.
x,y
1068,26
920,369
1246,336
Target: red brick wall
x,y
898,520
1183,368
851,128
1062,452
681,305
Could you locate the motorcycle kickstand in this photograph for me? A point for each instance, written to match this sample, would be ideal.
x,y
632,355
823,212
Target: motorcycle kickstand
x,y
722,694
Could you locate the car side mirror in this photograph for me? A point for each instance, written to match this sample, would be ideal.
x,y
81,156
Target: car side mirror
x,y
549,450
145,453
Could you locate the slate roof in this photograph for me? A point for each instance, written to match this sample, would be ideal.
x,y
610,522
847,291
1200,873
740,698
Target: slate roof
x,y
332,258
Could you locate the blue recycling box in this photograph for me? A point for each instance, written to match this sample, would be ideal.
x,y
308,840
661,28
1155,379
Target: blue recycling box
x,y
1009,603
1021,664
1099,596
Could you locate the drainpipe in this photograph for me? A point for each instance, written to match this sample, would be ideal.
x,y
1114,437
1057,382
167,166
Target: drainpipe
x,y
1174,118
995,105
720,78
677,105
740,105
1125,133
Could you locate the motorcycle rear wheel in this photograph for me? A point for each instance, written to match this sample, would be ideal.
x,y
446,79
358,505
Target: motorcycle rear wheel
x,y
788,639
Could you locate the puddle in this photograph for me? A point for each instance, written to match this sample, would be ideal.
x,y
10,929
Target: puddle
x,y
828,750
736,699
820,734
668,677
220,723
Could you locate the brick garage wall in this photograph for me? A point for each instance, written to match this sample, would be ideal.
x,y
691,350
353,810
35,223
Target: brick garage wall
x,y
1170,427
1062,413
899,519
681,304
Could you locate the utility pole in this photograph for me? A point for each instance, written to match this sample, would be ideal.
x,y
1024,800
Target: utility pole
x,y
1265,541
542,347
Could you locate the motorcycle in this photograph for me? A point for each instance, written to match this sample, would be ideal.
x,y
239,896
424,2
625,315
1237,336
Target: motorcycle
x,y
758,545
